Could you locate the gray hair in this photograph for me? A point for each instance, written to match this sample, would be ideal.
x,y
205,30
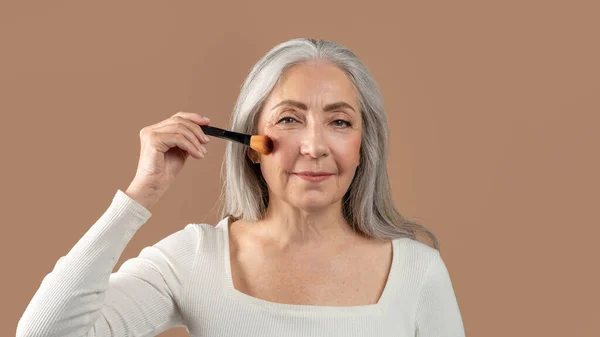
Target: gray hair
x,y
367,205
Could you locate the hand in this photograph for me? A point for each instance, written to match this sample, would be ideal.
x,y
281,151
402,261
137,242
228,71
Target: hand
x,y
165,146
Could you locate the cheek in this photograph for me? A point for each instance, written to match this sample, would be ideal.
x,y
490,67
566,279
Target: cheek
x,y
287,148
348,151
284,153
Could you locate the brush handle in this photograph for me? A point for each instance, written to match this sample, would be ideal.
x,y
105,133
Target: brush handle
x,y
226,134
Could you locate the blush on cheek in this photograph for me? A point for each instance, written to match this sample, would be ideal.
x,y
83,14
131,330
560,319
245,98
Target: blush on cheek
x,y
275,161
268,131
286,150
280,139
349,150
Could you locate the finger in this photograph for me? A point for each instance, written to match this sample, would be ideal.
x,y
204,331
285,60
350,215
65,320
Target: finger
x,y
181,127
196,118
177,139
194,127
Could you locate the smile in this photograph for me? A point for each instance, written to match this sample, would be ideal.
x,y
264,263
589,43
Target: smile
x,y
313,176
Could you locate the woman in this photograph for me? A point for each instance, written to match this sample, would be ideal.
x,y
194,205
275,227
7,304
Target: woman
x,y
309,244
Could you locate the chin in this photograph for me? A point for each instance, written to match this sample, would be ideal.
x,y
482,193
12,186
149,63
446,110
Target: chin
x,y
312,203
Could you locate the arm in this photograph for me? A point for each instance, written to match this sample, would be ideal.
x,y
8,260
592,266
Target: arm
x,y
438,314
80,297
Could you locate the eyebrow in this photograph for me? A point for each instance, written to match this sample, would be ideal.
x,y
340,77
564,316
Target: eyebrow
x,y
328,107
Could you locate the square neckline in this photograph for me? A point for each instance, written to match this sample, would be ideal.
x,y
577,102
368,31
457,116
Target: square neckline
x,y
304,309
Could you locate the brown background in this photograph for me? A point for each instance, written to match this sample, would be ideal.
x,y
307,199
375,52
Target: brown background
x,y
493,111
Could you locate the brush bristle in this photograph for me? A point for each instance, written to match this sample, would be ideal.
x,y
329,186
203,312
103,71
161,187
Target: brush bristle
x,y
262,144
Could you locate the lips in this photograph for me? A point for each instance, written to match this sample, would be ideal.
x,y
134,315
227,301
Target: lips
x,y
313,176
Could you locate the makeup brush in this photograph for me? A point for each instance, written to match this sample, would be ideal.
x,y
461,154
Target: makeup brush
x,y
262,144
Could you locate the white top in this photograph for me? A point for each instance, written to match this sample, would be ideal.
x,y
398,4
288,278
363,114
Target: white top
x,y
184,280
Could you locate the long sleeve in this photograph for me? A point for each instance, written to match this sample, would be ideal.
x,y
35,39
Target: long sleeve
x,y
438,313
81,297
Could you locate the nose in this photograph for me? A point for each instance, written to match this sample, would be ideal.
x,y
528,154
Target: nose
x,y
314,143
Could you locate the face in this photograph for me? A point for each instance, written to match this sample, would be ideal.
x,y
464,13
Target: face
x,y
314,119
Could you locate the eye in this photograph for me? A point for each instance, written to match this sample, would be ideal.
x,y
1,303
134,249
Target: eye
x,y
286,120
341,123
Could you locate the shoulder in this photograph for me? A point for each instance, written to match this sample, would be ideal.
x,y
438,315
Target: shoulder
x,y
203,230
190,234
417,256
419,247
190,240
425,239
207,237
427,266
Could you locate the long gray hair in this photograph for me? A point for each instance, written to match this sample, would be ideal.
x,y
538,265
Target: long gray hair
x,y
367,205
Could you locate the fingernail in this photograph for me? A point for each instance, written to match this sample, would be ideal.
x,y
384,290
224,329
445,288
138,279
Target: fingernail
x,y
206,118
203,149
206,138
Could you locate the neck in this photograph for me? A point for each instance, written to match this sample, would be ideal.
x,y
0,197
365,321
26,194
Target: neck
x,y
287,226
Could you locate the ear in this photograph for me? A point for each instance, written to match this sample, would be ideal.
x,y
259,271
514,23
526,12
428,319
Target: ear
x,y
254,156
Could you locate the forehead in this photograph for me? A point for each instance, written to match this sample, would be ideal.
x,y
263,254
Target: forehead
x,y
314,83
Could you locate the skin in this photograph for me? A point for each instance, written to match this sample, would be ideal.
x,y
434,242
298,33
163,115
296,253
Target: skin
x,y
310,135
303,250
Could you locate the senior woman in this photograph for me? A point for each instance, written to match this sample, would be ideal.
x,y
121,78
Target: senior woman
x,y
310,243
